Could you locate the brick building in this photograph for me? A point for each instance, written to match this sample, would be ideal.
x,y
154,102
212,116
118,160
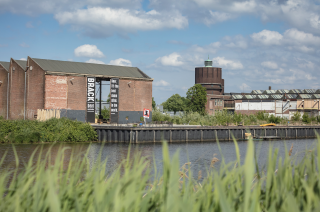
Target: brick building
x,y
4,89
53,84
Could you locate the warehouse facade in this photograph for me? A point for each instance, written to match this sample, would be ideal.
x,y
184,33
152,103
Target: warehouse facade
x,y
63,85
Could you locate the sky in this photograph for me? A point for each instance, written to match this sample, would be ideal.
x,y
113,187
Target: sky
x,y
257,43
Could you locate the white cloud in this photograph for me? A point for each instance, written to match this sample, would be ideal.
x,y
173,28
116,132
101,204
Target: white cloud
x,y
293,35
269,64
121,62
216,17
103,22
95,61
29,25
24,45
23,59
315,21
229,64
267,37
244,87
88,50
160,83
173,59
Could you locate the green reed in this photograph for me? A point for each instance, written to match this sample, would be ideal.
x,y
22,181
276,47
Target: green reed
x,y
50,185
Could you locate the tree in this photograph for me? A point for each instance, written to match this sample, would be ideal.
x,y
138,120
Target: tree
x,y
197,99
153,104
174,103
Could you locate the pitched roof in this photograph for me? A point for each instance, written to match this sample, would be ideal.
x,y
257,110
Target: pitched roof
x,y
5,65
91,69
21,63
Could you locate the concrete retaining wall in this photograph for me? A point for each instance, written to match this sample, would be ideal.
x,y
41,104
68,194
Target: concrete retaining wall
x,y
189,134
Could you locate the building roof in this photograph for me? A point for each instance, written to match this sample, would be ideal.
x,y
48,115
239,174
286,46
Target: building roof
x,y
22,63
309,91
291,96
277,96
305,96
263,96
250,96
91,69
296,91
237,96
317,96
282,91
270,91
5,65
257,91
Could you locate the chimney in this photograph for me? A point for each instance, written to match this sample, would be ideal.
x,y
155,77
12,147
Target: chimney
x,y
269,87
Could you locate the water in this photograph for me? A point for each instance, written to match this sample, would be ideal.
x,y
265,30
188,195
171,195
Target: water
x,y
199,154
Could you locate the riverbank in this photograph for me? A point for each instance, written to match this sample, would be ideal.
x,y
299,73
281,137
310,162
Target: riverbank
x,y
87,185
53,130
146,134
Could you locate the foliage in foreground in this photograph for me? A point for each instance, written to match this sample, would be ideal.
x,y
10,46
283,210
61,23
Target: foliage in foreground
x,y
284,185
52,130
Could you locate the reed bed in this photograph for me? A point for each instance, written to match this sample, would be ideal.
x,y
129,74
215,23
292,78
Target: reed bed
x,y
284,185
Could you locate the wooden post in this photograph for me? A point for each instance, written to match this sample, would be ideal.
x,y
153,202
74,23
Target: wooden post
x,y
296,133
286,133
170,135
154,136
229,134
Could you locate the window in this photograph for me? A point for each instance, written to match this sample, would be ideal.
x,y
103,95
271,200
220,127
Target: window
x,y
215,102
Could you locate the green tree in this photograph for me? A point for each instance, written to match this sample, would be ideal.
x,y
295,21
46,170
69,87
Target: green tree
x,y
306,118
174,103
105,112
153,103
197,99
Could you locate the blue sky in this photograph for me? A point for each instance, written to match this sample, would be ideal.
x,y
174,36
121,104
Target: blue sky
x,y
257,43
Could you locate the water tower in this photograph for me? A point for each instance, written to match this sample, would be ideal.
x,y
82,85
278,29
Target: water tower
x,y
210,78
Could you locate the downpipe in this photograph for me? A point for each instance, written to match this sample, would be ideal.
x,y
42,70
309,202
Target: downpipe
x,y
8,97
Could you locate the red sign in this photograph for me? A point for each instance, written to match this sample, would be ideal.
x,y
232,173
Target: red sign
x,y
146,113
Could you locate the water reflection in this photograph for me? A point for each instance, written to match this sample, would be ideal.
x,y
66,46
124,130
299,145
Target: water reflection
x,y
199,154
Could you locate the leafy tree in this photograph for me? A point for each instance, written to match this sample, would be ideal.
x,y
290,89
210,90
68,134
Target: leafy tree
x,y
153,104
274,119
197,99
175,103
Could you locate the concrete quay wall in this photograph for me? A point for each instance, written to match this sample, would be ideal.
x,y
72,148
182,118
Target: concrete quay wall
x,y
192,134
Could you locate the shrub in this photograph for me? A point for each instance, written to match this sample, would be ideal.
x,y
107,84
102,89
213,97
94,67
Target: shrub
x,y
261,115
52,130
105,112
305,118
296,116
274,119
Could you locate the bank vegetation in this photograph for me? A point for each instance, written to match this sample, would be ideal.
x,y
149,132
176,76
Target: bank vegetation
x,y
225,118
52,130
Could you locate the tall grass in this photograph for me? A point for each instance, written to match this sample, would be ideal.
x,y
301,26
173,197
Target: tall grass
x,y
52,130
284,185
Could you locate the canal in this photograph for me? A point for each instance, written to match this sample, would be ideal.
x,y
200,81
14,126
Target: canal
x,y
200,154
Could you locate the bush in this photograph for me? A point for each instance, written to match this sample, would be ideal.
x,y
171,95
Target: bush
x,y
105,112
261,115
52,130
305,118
296,116
274,119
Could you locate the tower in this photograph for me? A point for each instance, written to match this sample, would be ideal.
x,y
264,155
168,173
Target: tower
x,y
210,78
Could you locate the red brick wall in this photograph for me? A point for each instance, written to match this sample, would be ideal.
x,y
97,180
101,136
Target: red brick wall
x,y
135,96
16,87
35,89
55,92
77,93
65,92
3,92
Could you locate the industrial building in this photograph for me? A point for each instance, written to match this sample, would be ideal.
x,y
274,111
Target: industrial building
x,y
281,103
27,86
